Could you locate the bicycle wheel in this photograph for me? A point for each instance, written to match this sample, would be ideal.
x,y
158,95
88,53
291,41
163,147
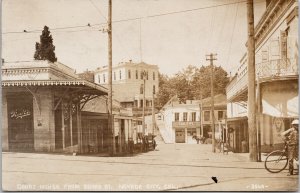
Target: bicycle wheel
x,y
276,161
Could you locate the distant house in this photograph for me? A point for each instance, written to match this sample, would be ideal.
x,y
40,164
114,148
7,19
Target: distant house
x,y
183,122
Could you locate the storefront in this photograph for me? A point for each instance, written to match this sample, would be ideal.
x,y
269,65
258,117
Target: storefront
x,y
45,114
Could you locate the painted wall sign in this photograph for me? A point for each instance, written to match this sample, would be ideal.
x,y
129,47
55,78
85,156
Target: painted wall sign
x,y
19,113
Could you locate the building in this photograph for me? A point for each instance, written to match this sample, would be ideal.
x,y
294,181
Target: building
x,y
182,122
43,110
127,80
276,63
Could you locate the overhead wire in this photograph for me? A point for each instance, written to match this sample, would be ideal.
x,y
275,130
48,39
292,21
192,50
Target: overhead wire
x,y
124,20
233,29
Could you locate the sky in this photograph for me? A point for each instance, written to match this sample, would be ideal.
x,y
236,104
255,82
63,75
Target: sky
x,y
171,41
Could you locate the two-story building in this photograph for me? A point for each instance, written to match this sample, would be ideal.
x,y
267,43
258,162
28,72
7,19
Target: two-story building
x,y
276,63
128,83
184,122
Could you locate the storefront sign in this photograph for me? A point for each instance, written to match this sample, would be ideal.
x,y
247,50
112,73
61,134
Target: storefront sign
x,y
19,113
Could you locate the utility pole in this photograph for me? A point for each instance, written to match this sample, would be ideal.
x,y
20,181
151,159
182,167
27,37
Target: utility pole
x,y
144,102
153,116
200,119
211,57
110,116
251,84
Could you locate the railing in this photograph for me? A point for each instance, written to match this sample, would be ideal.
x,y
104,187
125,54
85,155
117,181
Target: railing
x,y
238,86
270,69
277,68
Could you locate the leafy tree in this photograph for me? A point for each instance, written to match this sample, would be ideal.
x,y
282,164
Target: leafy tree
x,y
45,49
189,83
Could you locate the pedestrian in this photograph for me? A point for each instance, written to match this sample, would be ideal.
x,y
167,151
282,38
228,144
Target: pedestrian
x,y
292,138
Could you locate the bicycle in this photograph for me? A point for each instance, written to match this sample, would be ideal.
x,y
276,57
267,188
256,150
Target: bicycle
x,y
277,160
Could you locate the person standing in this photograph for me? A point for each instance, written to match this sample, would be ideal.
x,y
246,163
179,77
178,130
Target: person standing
x,y
292,137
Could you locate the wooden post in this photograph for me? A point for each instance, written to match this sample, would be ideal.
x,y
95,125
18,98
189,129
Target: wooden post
x,y
63,126
251,84
71,127
110,107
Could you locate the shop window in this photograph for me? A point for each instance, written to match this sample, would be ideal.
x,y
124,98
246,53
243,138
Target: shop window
x,y
176,116
104,78
206,115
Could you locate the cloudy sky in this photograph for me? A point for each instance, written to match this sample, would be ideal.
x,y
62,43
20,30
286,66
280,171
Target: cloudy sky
x,y
183,33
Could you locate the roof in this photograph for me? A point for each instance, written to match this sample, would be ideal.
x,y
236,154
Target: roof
x,y
219,100
89,86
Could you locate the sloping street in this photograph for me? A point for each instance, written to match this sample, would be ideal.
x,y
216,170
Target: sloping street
x,y
179,167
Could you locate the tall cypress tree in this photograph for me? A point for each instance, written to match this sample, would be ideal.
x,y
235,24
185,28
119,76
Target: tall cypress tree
x,y
45,49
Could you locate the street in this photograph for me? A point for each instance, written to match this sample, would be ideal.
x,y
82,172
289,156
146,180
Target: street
x,y
179,167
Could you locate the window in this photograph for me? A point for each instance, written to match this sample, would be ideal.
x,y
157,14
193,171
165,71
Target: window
x,y
283,44
120,73
114,75
103,77
147,75
141,75
136,74
98,78
185,116
129,74
153,75
193,116
142,89
206,115
176,116
220,115
153,89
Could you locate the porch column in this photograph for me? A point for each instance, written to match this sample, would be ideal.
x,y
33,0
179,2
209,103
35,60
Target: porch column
x,y
71,126
78,127
63,126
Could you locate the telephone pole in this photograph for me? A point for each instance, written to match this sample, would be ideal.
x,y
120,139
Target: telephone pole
x,y
211,57
110,116
251,84
144,98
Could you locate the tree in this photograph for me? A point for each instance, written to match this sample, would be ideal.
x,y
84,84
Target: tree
x,y
45,49
189,83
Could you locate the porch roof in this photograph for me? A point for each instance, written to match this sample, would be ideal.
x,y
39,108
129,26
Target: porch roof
x,y
84,85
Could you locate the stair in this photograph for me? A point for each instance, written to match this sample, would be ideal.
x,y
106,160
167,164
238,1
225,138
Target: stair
x,y
164,134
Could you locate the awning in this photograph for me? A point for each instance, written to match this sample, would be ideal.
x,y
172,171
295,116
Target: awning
x,y
83,84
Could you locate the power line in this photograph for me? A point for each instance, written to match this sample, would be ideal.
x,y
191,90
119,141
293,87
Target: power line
x,y
124,20
99,11
236,11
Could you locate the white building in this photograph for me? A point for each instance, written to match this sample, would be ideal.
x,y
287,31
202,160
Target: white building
x,y
182,122
128,82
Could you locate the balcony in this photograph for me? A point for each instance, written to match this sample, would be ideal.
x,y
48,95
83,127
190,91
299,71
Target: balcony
x,y
277,68
185,124
280,69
